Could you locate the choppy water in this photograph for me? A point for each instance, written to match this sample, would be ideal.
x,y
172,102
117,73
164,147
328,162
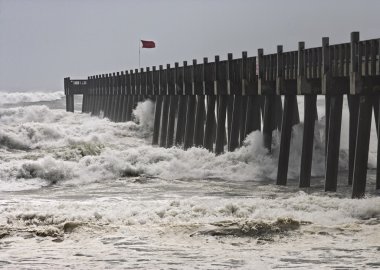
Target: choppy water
x,y
82,192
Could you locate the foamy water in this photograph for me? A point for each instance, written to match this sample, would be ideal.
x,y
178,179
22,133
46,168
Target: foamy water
x,y
82,192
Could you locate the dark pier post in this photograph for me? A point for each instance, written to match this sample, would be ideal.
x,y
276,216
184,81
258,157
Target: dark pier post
x,y
243,86
269,107
85,96
117,96
334,102
325,78
253,121
142,84
353,103
208,141
136,89
221,124
230,109
95,93
277,117
359,87
98,94
106,94
88,96
333,142
234,91
126,95
87,100
71,100
123,116
243,119
173,103
290,103
190,117
66,88
165,105
148,92
113,97
230,97
310,114
69,95
133,94
158,105
130,83
119,109
109,96
200,113
181,87
286,133
210,91
221,91
362,147
253,118
140,87
102,94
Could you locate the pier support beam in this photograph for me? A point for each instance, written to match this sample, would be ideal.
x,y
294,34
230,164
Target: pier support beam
x,y
243,119
181,120
199,121
70,103
190,122
362,146
310,114
130,108
124,108
253,119
164,121
268,118
171,124
157,120
221,125
233,142
208,141
230,109
333,142
353,105
286,133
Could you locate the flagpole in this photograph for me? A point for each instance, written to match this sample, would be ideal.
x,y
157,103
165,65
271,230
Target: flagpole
x,y
139,55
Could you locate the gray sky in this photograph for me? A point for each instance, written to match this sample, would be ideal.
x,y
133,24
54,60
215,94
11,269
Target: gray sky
x,y
43,41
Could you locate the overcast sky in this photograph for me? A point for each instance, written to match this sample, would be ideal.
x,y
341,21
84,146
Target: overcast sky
x,y
43,41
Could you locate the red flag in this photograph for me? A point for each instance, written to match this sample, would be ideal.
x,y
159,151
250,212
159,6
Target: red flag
x,y
148,44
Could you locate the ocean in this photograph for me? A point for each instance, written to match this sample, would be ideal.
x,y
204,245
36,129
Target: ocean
x,y
81,192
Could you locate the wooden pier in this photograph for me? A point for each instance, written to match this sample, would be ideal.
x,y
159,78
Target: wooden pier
x,y
216,104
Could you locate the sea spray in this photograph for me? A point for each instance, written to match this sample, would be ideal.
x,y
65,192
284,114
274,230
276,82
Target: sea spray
x,y
144,114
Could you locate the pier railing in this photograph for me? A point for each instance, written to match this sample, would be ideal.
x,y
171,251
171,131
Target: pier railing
x,y
216,104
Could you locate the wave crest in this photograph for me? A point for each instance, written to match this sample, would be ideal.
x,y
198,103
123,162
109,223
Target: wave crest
x,y
22,97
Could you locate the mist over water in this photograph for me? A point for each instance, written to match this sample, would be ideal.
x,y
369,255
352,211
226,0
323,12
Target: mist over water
x,y
79,191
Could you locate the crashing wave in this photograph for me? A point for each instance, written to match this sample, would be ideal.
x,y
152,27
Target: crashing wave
x,y
23,97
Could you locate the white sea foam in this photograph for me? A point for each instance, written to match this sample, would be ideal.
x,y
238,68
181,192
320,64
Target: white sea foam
x,y
104,149
18,97
99,188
